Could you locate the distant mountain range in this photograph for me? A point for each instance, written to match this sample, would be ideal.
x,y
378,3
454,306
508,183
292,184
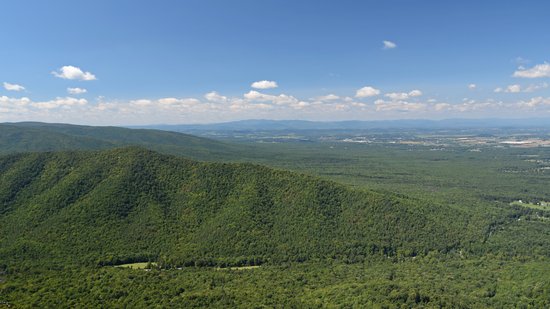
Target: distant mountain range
x,y
37,136
282,125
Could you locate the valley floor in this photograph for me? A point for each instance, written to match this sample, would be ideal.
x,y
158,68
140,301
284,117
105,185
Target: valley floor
x,y
429,282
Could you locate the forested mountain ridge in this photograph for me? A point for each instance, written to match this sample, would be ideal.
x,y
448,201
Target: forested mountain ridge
x,y
131,204
36,136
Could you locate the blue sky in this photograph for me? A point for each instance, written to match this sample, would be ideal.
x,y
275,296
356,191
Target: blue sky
x,y
143,62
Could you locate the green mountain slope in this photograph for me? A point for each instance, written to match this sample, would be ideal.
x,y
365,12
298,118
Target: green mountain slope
x,y
35,136
132,204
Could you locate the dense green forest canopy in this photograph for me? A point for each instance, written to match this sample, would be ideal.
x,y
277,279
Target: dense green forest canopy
x,y
132,204
403,226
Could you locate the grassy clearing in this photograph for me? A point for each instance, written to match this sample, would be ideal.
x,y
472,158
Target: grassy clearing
x,y
530,205
144,265
238,268
136,265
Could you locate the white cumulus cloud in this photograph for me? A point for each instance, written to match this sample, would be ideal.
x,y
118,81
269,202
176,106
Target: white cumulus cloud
x,y
328,97
513,88
215,97
516,88
389,44
400,106
539,70
59,102
72,72
13,87
7,101
472,86
535,102
403,95
76,90
535,87
367,91
264,84
281,99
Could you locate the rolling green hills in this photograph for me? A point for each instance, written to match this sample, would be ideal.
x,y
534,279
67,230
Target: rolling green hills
x,y
132,204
